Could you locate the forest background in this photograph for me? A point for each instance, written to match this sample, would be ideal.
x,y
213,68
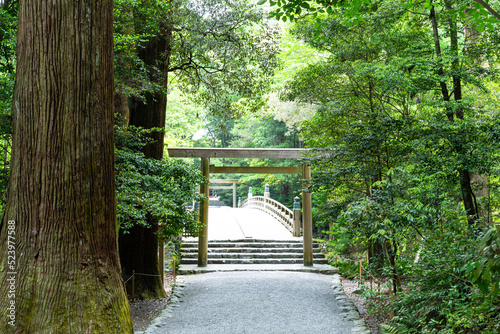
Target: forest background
x,y
401,96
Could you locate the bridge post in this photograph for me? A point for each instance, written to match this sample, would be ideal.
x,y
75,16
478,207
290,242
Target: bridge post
x,y
307,217
203,234
296,216
250,195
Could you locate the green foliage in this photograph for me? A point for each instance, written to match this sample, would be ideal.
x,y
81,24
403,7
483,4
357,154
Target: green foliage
x,y
8,26
184,120
223,53
478,11
393,150
151,190
226,55
440,297
485,270
136,23
348,269
261,132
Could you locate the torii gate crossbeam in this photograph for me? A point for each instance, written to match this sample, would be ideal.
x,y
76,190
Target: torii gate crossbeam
x,y
251,153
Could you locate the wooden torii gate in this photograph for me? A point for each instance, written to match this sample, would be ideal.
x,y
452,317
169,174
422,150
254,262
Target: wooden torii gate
x,y
249,153
232,187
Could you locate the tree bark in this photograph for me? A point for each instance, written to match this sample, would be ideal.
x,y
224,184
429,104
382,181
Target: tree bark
x,y
61,195
122,111
139,248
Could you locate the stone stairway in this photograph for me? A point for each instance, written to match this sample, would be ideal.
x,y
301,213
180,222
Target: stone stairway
x,y
251,251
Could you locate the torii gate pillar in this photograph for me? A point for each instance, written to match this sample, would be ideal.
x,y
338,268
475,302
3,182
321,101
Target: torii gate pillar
x,y
307,217
203,233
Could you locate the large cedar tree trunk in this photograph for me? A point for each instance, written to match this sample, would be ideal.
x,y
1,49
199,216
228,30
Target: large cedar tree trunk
x,y
61,192
139,248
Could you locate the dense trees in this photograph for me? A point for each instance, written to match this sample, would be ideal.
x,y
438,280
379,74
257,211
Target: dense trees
x,y
59,224
412,141
8,23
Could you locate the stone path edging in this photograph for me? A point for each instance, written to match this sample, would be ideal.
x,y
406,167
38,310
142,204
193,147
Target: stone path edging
x,y
347,307
173,302
349,310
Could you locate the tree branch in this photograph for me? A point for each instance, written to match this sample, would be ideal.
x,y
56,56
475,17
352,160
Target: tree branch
x,y
488,8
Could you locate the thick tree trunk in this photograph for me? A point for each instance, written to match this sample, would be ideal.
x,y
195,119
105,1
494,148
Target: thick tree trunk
x,y
63,274
139,253
139,248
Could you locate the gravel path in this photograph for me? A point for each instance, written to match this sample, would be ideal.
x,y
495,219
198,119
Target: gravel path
x,y
258,302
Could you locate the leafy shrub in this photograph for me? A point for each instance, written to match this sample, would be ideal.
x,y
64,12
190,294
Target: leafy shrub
x,y
441,297
153,190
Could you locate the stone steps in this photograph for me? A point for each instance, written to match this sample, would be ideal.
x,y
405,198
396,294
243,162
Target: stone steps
x,y
249,251
253,261
225,250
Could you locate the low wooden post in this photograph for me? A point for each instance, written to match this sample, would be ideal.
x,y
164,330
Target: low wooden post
x,y
296,216
203,234
307,217
360,270
133,283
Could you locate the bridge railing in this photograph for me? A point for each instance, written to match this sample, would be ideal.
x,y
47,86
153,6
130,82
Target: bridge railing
x,y
289,218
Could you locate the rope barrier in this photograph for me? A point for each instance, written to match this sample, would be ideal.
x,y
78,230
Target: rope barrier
x,y
133,280
139,275
128,280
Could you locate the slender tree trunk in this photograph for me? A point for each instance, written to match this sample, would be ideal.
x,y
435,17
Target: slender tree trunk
x,y
121,110
468,196
139,248
63,274
375,246
437,46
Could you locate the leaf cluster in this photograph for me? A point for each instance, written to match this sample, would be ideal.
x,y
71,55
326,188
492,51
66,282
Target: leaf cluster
x,y
150,190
